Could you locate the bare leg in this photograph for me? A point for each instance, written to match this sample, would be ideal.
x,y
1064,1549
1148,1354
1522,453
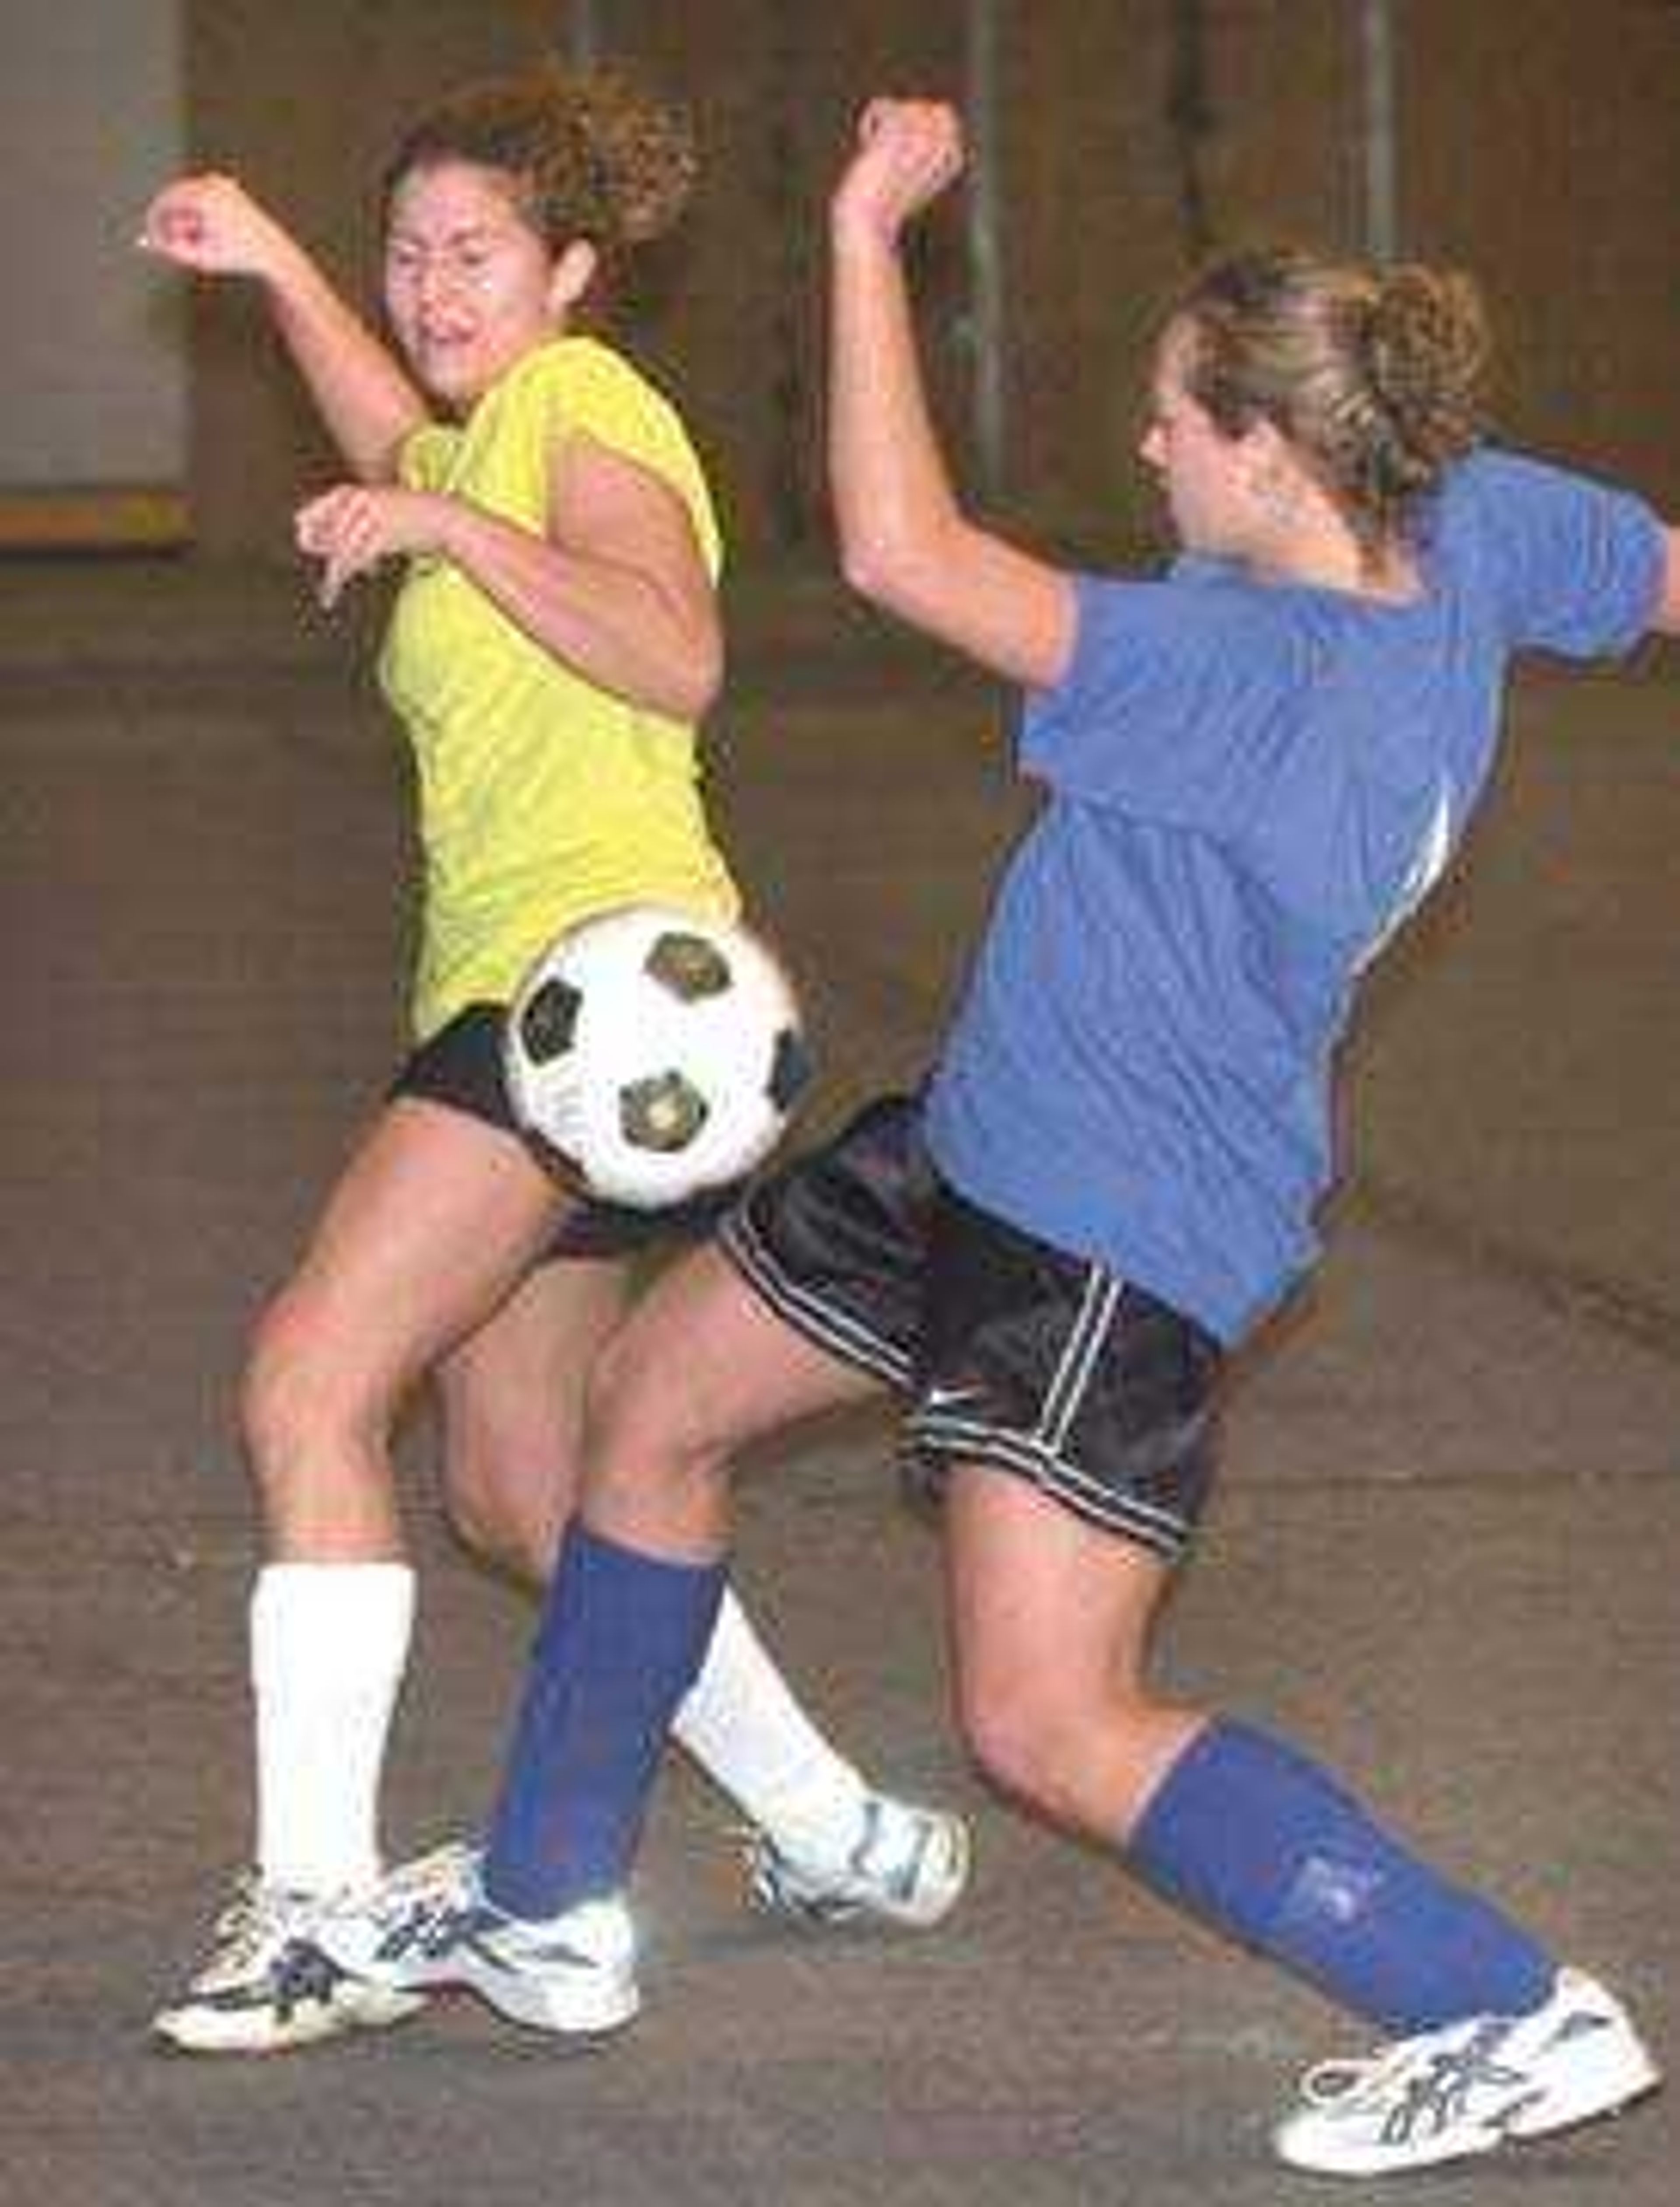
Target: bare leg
x,y
1050,1621
701,1368
432,1225
512,1397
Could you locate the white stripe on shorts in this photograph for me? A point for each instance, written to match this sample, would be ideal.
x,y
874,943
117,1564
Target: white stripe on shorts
x,y
1066,1391
977,1443
837,1331
1038,1455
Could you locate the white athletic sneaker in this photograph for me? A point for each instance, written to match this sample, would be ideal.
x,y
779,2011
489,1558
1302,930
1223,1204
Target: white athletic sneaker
x,y
429,1924
265,1986
1470,2086
909,1865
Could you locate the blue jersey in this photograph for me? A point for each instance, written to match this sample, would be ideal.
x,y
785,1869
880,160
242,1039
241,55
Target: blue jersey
x,y
1249,787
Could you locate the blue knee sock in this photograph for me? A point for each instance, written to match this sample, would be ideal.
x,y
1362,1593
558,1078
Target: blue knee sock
x,y
621,1640
1253,1838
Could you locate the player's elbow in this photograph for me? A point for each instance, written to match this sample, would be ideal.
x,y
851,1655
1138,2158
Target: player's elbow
x,y
696,674
900,571
375,450
869,570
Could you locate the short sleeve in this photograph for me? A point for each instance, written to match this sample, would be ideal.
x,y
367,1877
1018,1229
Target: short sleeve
x,y
1175,703
591,390
1577,566
427,455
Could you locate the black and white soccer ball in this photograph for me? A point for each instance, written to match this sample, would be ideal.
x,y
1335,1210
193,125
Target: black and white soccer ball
x,y
659,1055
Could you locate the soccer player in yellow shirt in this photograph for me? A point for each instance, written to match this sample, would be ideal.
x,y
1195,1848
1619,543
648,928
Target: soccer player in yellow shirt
x,y
553,645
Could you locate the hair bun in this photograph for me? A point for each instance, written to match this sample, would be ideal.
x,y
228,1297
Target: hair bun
x,y
641,153
1427,349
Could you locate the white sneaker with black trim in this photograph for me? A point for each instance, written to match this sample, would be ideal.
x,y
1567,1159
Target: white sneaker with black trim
x,y
265,1987
429,1925
908,1865
1470,2086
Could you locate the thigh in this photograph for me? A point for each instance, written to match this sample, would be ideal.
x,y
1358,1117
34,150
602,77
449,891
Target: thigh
x,y
1038,1593
703,1367
434,1221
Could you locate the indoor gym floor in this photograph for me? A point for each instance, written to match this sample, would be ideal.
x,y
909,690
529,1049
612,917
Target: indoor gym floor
x,y
1443,1553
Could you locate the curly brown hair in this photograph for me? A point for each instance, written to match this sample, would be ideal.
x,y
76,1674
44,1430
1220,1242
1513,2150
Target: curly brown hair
x,y
594,155
1372,374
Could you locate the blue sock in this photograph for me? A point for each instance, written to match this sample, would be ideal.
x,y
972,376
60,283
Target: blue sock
x,y
1254,1839
621,1640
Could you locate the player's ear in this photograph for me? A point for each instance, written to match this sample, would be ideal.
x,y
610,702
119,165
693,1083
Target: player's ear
x,y
1270,470
573,272
1265,449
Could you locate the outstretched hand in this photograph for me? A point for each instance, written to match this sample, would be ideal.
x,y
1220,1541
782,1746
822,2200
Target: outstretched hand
x,y
211,224
907,152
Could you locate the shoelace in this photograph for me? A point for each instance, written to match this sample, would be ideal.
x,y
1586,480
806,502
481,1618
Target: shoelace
x,y
251,1918
1419,2085
888,1854
430,1922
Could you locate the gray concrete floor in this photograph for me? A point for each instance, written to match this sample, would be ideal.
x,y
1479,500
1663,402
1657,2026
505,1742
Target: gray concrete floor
x,y
1442,1554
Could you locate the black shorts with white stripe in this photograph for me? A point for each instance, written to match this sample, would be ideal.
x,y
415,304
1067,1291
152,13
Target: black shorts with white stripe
x,y
1013,1354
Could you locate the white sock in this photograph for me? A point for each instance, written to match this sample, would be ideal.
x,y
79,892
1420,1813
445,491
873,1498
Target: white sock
x,y
329,1645
741,1724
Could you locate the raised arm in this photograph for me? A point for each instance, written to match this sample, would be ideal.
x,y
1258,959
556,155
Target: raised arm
x,y
213,226
904,541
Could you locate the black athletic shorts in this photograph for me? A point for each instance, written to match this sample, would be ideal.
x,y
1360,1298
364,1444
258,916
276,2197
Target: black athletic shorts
x,y
1013,1353
461,1065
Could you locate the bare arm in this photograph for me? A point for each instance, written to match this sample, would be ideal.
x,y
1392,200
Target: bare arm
x,y
903,541
616,590
212,225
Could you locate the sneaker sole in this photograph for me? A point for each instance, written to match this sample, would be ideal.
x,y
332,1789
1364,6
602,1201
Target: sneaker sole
x,y
589,2006
564,2010
213,2031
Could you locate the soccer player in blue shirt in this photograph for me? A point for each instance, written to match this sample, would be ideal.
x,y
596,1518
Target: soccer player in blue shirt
x,y
1255,768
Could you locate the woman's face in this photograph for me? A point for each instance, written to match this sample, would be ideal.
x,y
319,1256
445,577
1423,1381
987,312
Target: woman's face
x,y
1205,475
469,286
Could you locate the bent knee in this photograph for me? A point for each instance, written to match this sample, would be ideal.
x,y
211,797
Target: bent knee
x,y
302,1392
641,1424
1057,1753
507,1509
631,1406
489,1529
1012,1742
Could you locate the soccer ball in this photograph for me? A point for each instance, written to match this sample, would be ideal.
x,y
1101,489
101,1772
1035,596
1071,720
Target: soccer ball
x,y
658,1054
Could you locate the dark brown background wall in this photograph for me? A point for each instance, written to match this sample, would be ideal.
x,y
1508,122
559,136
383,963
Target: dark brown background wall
x,y
1537,145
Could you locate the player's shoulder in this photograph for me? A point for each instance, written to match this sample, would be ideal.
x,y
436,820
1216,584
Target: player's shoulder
x,y
1494,482
1195,636
593,375
1198,597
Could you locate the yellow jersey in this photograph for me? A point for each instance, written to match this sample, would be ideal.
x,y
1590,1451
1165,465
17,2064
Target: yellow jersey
x,y
543,798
